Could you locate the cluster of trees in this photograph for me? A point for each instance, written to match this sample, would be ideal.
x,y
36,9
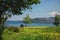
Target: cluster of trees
x,y
57,20
13,7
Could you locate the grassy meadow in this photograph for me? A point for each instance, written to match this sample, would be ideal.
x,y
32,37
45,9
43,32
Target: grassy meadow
x,y
32,33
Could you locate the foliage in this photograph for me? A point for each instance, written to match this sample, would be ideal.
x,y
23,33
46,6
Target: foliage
x,y
57,20
13,29
16,6
33,33
13,7
27,19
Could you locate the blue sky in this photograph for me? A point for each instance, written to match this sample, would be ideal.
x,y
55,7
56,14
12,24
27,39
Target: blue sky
x,y
47,8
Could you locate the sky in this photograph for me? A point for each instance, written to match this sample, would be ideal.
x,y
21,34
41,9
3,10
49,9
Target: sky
x,y
46,8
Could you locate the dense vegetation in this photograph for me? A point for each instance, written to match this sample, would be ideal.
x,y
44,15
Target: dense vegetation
x,y
32,33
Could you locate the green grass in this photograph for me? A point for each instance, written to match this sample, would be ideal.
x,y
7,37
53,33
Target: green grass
x,y
33,33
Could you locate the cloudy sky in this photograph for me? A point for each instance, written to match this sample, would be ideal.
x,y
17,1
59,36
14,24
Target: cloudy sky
x,y
47,8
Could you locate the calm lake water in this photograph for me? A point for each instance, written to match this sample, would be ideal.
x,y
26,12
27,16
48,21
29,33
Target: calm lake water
x,y
18,23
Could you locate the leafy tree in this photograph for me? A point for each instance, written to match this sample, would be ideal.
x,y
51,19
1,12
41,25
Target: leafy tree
x,y
57,20
27,19
13,7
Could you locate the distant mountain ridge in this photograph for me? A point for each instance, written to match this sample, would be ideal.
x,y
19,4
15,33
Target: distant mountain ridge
x,y
44,20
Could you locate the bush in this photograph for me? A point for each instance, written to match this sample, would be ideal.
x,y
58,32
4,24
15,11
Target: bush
x,y
21,25
14,29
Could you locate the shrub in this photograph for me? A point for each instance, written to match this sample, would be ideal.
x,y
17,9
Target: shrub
x,y
14,29
21,25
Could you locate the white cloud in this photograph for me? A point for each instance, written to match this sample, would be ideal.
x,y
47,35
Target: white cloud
x,y
54,13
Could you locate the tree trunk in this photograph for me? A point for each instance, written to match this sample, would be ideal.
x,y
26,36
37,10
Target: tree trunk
x,y
1,31
1,27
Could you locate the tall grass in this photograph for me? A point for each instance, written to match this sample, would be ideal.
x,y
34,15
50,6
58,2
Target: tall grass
x,y
33,33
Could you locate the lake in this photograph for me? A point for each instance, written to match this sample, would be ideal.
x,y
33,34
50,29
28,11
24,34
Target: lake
x,y
18,23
